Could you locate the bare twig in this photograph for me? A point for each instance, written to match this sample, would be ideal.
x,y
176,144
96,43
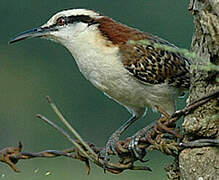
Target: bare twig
x,y
75,133
65,134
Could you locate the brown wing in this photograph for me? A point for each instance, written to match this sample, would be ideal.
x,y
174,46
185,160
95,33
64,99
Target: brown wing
x,y
154,65
148,64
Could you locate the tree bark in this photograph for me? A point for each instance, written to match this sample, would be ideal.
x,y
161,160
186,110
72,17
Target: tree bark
x,y
202,163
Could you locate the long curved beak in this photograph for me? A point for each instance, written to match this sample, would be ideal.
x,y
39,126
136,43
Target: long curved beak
x,y
36,32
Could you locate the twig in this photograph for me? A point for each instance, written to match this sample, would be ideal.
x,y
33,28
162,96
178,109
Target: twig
x,y
61,117
172,48
64,133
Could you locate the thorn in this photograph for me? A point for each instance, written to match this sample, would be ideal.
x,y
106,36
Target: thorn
x,y
49,99
20,146
39,116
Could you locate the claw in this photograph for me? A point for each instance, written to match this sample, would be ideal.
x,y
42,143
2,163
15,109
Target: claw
x,y
137,152
133,147
110,146
105,156
101,154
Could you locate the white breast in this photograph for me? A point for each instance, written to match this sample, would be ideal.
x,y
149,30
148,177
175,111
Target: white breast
x,y
99,63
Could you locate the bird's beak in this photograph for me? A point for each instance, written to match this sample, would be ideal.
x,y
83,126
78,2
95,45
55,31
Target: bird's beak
x,y
37,32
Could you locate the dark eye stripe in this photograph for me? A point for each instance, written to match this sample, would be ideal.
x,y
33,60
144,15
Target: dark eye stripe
x,y
81,18
78,18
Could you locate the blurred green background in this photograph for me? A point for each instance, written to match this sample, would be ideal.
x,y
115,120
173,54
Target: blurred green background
x,y
30,70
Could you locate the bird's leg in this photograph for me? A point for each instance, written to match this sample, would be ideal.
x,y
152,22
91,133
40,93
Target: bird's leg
x,y
111,143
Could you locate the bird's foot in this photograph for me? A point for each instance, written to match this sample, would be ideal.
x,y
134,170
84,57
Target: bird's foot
x,y
137,152
134,141
110,148
165,145
154,134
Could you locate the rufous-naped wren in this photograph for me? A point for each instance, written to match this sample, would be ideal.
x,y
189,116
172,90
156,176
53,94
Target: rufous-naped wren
x,y
136,75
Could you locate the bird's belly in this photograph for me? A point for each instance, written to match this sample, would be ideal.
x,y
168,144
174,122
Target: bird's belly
x,y
117,83
128,91
122,87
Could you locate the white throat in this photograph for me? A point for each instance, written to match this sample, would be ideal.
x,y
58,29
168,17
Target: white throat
x,y
94,59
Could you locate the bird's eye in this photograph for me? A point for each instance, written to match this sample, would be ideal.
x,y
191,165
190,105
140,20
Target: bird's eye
x,y
61,21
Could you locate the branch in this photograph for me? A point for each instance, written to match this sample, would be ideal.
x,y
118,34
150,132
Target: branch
x,y
86,152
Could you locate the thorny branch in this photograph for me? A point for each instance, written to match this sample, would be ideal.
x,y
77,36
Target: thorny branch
x,y
87,152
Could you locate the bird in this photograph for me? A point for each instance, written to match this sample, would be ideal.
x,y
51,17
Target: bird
x,y
110,55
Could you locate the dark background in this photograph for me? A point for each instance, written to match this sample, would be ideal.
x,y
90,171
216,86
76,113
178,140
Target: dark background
x,y
30,70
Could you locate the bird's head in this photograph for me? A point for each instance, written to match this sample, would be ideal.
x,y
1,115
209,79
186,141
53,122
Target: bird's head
x,y
66,26
63,26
